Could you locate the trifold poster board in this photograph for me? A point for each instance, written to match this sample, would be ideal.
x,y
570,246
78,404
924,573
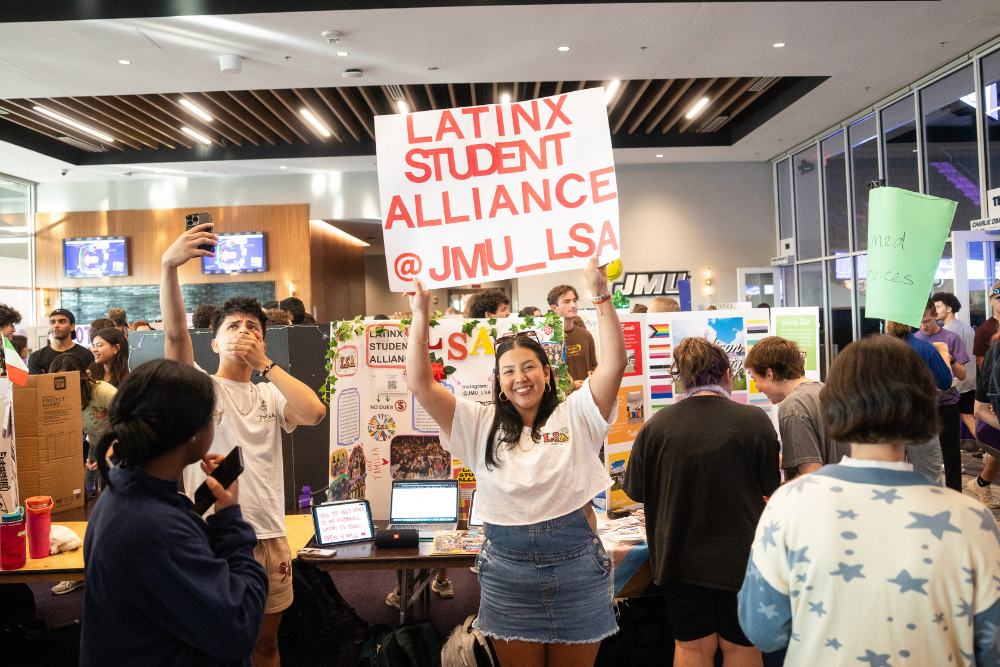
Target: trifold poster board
x,y
379,433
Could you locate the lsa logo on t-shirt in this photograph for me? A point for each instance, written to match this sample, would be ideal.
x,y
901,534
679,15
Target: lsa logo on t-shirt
x,y
262,414
556,437
573,350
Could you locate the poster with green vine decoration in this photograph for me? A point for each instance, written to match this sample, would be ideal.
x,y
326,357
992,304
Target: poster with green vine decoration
x,y
550,326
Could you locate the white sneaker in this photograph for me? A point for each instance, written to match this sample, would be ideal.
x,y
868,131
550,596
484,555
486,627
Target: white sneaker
x,y
392,600
983,493
64,587
443,589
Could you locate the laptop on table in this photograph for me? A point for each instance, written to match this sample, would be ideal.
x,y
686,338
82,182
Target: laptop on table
x,y
426,506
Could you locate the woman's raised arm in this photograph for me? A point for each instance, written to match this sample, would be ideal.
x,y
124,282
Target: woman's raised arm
x,y
435,399
607,377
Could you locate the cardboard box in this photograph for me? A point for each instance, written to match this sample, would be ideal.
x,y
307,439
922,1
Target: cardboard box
x,y
48,436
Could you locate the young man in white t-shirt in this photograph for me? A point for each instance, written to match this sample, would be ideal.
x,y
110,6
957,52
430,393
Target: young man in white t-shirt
x,y
253,416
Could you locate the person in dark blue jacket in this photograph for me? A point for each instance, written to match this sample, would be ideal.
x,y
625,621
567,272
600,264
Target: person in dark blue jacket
x,y
925,456
163,586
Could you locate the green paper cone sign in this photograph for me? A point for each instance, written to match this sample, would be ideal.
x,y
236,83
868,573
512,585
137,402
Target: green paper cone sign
x,y
906,236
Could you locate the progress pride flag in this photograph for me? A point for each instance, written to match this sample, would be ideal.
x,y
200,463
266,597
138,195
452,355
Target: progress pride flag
x,y
497,191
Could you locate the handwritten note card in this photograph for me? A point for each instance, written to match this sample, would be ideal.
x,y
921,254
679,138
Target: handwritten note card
x,y
342,522
906,236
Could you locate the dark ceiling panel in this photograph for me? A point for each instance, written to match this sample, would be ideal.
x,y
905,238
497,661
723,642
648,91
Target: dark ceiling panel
x,y
15,11
262,124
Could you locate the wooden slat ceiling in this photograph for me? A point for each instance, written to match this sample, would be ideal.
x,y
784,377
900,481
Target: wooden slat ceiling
x,y
156,122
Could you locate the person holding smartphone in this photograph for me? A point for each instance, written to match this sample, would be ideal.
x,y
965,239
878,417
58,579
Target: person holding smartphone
x,y
165,587
255,415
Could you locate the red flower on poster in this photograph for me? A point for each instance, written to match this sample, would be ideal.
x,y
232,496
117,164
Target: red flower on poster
x,y
441,372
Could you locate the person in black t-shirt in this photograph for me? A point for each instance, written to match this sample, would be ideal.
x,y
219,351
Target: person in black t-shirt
x,y
62,331
703,467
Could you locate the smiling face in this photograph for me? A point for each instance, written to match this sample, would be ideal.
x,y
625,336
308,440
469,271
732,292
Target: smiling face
x,y
104,352
7,331
567,304
767,385
231,327
502,311
522,377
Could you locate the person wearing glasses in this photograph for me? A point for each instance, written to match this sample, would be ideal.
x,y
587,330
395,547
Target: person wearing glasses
x,y
546,580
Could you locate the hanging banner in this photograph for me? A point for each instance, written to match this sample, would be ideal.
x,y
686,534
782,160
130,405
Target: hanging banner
x,y
497,191
906,236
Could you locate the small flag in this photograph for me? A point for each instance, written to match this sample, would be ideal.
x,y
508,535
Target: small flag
x,y
17,372
659,330
661,391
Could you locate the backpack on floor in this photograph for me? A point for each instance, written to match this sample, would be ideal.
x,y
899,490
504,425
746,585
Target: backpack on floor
x,y
468,647
373,641
411,645
319,618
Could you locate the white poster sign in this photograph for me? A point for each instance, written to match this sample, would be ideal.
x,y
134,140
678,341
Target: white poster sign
x,y
497,191
8,457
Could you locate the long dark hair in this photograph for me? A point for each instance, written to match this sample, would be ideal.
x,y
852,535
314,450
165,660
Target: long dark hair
x,y
161,405
119,365
507,423
65,363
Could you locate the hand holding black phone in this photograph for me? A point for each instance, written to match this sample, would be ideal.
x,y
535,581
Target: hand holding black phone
x,y
196,219
225,473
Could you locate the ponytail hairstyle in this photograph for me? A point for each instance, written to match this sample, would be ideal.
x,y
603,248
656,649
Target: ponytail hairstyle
x,y
161,405
119,365
66,363
507,423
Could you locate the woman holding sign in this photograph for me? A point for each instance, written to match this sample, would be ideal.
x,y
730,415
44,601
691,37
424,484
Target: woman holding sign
x,y
546,580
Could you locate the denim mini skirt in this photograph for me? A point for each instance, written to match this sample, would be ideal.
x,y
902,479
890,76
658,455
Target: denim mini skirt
x,y
548,582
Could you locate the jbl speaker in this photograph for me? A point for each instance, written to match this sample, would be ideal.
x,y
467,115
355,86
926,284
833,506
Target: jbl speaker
x,y
397,539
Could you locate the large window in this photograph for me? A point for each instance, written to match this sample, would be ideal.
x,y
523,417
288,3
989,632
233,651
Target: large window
x,y
951,154
16,215
808,230
784,181
899,135
866,325
840,282
835,194
810,283
863,137
991,112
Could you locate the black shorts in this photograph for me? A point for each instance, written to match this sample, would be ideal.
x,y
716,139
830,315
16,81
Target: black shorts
x,y
696,611
967,402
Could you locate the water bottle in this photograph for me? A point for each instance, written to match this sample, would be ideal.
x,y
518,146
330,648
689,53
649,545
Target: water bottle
x,y
39,525
13,555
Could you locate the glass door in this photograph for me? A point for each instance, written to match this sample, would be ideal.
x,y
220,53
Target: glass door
x,y
976,268
758,285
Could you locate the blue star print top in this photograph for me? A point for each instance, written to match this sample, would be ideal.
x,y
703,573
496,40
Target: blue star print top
x,y
864,563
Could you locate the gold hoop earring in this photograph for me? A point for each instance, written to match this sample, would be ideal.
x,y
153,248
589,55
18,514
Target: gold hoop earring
x,y
503,397
548,385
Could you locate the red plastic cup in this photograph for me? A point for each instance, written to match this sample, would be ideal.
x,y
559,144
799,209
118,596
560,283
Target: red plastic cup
x,y
39,525
12,534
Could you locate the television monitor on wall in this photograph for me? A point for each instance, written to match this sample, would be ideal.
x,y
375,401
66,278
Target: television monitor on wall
x,y
237,253
96,257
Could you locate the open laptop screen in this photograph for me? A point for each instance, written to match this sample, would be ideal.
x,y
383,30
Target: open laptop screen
x,y
424,501
474,520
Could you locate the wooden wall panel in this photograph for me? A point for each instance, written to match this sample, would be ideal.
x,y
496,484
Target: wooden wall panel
x,y
338,273
150,233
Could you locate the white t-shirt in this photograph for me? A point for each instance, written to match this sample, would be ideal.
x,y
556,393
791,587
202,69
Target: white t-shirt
x,y
534,481
253,416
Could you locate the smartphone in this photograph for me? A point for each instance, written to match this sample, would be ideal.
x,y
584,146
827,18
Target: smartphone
x,y
226,473
196,219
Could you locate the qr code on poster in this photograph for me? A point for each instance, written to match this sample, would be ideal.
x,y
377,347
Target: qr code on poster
x,y
392,385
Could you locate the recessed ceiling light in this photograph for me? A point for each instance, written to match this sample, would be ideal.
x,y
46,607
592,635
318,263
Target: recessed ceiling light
x,y
73,123
564,48
612,89
401,105
696,109
195,109
779,45
315,122
659,155
282,167
505,98
124,62
200,137
343,53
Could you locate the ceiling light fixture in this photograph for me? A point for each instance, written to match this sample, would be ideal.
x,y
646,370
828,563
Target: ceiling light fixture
x,y
315,122
564,48
73,123
282,167
505,98
610,92
195,109
696,109
659,155
200,137
779,45
124,62
401,104
343,53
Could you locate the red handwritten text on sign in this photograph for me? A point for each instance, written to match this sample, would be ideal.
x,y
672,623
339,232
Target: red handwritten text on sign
x,y
343,523
497,191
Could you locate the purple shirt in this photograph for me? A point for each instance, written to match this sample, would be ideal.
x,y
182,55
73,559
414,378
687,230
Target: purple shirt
x,y
956,348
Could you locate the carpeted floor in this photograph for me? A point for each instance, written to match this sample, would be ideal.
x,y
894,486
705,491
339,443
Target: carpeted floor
x,y
366,591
